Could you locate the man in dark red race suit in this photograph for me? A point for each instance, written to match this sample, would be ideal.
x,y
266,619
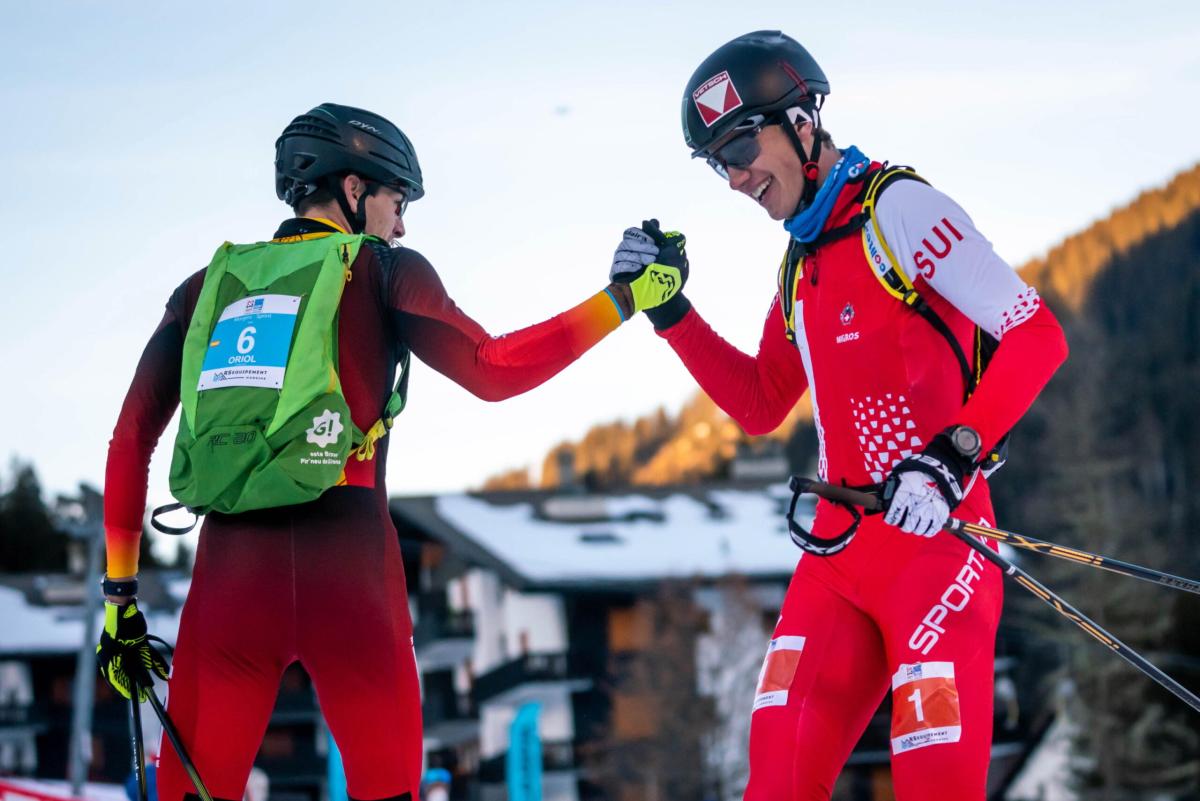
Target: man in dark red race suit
x,y
915,616
320,583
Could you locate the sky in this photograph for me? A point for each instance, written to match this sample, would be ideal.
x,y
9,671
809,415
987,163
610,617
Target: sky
x,y
137,137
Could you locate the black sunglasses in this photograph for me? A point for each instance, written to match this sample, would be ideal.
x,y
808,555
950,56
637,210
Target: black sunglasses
x,y
740,151
402,203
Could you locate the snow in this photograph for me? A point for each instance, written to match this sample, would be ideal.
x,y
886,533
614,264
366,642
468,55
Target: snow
x,y
1046,775
674,536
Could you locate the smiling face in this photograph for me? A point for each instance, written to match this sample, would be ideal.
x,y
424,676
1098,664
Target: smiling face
x,y
774,180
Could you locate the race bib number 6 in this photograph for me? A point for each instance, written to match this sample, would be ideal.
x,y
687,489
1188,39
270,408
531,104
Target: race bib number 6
x,y
250,344
924,706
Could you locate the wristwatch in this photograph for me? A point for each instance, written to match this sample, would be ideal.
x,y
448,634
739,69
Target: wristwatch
x,y
127,588
966,441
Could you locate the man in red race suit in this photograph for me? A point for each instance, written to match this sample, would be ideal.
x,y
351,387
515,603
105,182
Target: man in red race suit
x,y
320,583
901,403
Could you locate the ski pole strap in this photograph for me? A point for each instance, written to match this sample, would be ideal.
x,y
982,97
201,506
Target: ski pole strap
x,y
805,539
176,530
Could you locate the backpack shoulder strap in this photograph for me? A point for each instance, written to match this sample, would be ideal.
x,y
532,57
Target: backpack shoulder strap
x,y
399,397
884,264
890,272
789,272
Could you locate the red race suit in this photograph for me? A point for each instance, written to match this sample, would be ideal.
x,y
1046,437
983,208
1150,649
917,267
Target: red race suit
x,y
320,583
892,612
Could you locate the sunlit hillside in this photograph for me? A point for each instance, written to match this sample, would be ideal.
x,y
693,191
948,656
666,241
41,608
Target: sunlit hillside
x,y
699,440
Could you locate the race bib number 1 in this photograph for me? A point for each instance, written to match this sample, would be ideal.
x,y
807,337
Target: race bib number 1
x,y
250,343
924,706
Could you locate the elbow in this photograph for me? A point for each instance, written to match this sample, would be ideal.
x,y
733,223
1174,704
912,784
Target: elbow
x,y
760,425
760,417
1056,345
1061,350
491,394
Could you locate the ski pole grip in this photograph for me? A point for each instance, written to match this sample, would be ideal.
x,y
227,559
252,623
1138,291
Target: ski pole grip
x,y
831,492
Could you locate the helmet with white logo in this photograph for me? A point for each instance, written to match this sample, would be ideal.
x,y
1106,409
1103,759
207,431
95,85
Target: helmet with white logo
x,y
334,140
763,73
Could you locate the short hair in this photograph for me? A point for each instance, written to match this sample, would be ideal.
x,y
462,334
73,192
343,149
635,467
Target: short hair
x,y
320,197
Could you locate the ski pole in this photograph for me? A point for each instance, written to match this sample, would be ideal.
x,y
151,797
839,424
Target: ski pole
x,y
176,742
1054,549
1074,555
871,502
139,744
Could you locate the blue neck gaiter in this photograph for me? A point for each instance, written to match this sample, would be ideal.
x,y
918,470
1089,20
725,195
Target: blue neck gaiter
x,y
808,224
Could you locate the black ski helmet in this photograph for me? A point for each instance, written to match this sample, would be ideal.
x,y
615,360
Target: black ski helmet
x,y
332,140
765,72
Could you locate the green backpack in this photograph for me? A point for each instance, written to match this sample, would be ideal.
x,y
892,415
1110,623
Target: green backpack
x,y
264,420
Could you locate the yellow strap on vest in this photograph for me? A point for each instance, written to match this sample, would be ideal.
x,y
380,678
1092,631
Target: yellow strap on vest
x,y
884,263
366,451
787,295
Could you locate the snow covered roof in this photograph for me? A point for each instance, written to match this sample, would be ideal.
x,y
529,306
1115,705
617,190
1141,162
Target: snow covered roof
x,y
552,539
34,623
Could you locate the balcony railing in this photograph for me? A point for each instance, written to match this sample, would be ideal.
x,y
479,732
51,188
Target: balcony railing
x,y
445,707
528,669
557,755
443,625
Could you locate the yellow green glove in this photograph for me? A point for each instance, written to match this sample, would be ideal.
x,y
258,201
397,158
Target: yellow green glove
x,y
124,653
653,264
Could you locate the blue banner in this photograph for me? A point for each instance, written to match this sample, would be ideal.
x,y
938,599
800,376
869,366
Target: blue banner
x,y
337,774
524,762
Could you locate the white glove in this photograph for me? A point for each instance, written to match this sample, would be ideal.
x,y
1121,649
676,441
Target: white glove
x,y
917,506
636,252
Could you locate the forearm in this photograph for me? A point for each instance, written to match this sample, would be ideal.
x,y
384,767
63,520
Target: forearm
x,y
151,400
756,391
495,368
1027,357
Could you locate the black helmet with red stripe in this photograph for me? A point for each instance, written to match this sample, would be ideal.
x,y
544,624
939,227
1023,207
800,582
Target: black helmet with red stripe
x,y
764,73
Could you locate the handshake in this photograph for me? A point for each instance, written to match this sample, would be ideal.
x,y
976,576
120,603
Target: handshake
x,y
648,271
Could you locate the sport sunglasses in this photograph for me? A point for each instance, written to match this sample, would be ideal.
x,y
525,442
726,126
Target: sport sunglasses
x,y
740,151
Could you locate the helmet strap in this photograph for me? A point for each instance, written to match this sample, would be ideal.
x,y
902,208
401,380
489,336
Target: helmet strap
x,y
809,162
356,220
361,216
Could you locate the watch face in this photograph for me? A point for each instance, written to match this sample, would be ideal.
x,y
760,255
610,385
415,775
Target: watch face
x,y
966,440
